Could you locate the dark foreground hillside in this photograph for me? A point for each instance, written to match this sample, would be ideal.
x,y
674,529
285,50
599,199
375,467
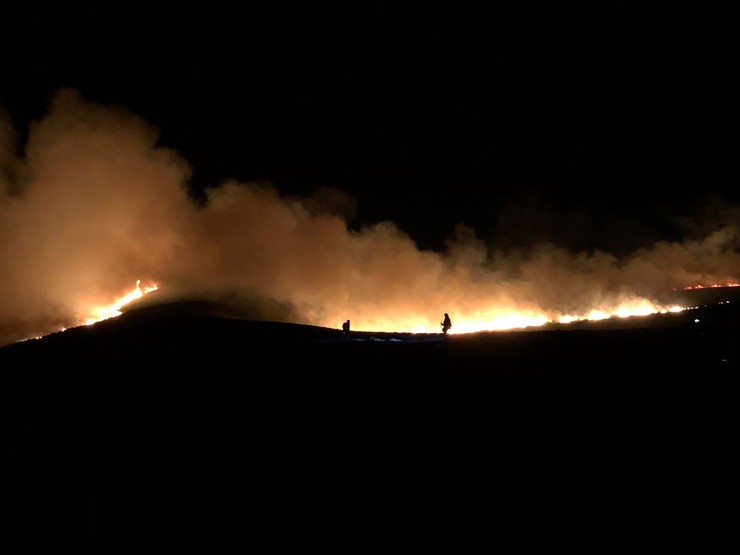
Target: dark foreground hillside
x,y
156,364
162,421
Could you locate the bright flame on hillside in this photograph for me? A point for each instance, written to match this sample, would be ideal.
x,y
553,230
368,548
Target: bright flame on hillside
x,y
495,319
501,318
112,310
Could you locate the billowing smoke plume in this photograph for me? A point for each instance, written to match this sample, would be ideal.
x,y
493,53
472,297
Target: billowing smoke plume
x,y
94,204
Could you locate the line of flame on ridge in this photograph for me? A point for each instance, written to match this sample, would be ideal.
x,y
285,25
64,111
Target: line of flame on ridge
x,y
509,320
512,321
114,309
713,286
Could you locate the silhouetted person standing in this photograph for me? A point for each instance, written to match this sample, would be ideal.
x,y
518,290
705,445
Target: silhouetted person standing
x,y
345,330
446,324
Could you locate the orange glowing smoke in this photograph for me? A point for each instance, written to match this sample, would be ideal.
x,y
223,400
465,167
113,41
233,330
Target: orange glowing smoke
x,y
96,180
112,310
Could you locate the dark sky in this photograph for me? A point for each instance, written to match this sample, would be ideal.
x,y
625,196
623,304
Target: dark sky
x,y
428,119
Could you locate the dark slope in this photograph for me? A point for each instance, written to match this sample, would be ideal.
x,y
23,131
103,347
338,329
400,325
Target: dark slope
x,y
168,421
163,360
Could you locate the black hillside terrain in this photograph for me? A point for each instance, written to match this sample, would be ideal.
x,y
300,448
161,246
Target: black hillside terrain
x,y
183,418
181,364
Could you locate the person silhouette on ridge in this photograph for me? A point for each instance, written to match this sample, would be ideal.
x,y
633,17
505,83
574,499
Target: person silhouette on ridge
x,y
446,324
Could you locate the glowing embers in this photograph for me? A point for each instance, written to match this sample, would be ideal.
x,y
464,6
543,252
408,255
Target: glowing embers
x,y
114,309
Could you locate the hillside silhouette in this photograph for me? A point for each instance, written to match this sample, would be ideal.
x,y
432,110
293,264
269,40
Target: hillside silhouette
x,y
184,416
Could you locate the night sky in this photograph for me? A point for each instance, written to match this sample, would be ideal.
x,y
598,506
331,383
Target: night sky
x,y
428,118
434,121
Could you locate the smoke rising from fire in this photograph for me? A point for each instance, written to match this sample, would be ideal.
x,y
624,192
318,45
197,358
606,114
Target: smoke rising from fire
x,y
92,203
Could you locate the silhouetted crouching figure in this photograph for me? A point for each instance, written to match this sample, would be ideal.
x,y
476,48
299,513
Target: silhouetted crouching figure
x,y
446,324
345,330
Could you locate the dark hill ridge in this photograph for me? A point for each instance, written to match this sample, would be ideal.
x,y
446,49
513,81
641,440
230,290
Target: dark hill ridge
x,y
168,354
170,419
227,317
172,337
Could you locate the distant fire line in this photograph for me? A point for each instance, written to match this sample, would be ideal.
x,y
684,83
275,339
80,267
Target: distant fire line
x,y
714,285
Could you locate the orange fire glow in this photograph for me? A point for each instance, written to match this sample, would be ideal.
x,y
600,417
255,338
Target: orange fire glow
x,y
114,309
500,318
496,318
714,285
510,319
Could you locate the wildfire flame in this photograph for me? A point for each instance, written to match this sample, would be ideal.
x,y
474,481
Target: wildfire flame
x,y
496,319
499,320
711,286
114,309
507,318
